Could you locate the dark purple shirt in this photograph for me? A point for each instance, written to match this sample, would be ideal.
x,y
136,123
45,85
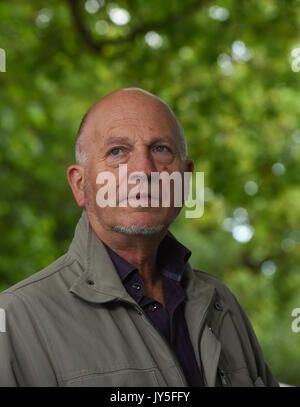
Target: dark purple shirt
x,y
169,321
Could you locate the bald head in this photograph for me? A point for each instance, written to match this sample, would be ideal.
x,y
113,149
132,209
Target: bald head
x,y
120,99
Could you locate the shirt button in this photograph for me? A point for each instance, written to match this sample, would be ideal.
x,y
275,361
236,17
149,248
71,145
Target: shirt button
x,y
154,307
136,286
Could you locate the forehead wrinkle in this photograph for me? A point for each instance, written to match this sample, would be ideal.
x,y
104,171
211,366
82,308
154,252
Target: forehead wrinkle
x,y
132,119
124,139
117,134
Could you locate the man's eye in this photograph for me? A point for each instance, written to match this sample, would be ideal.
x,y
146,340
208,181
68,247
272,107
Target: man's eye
x,y
115,151
161,149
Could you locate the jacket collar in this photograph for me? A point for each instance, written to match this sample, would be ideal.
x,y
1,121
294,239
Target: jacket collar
x,y
100,281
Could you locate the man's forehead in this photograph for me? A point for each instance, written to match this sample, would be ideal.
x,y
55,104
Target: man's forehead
x,y
128,105
119,117
136,114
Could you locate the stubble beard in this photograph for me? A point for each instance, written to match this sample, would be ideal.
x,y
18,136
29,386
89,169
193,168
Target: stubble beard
x,y
138,230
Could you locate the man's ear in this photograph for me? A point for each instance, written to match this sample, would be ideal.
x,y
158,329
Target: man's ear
x,y
75,178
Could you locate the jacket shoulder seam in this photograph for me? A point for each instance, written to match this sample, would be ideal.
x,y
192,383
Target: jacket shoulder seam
x,y
66,262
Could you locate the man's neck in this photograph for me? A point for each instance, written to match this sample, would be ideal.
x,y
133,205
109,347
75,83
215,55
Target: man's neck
x,y
138,250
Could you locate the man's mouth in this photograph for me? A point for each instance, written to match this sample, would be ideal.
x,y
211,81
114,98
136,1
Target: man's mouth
x,y
139,197
142,197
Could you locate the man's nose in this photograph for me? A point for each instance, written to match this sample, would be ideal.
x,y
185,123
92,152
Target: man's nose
x,y
142,161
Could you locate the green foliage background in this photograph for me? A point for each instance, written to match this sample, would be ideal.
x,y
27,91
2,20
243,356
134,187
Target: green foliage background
x,y
240,118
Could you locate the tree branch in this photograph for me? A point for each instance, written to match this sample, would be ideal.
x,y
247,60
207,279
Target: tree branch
x,y
96,46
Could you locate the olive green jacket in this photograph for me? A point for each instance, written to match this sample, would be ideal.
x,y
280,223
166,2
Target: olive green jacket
x,y
74,324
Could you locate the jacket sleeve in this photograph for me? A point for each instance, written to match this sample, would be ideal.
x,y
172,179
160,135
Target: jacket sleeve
x,y
23,356
243,323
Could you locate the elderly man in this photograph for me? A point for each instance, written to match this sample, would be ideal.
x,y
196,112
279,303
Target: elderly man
x,y
123,307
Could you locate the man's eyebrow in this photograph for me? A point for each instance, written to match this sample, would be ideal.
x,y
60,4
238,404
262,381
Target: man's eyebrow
x,y
165,139
116,140
124,139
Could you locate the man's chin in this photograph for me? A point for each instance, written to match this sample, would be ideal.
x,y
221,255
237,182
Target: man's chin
x,y
138,230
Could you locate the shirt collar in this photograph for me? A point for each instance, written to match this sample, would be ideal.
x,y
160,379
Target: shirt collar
x,y
122,266
171,259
